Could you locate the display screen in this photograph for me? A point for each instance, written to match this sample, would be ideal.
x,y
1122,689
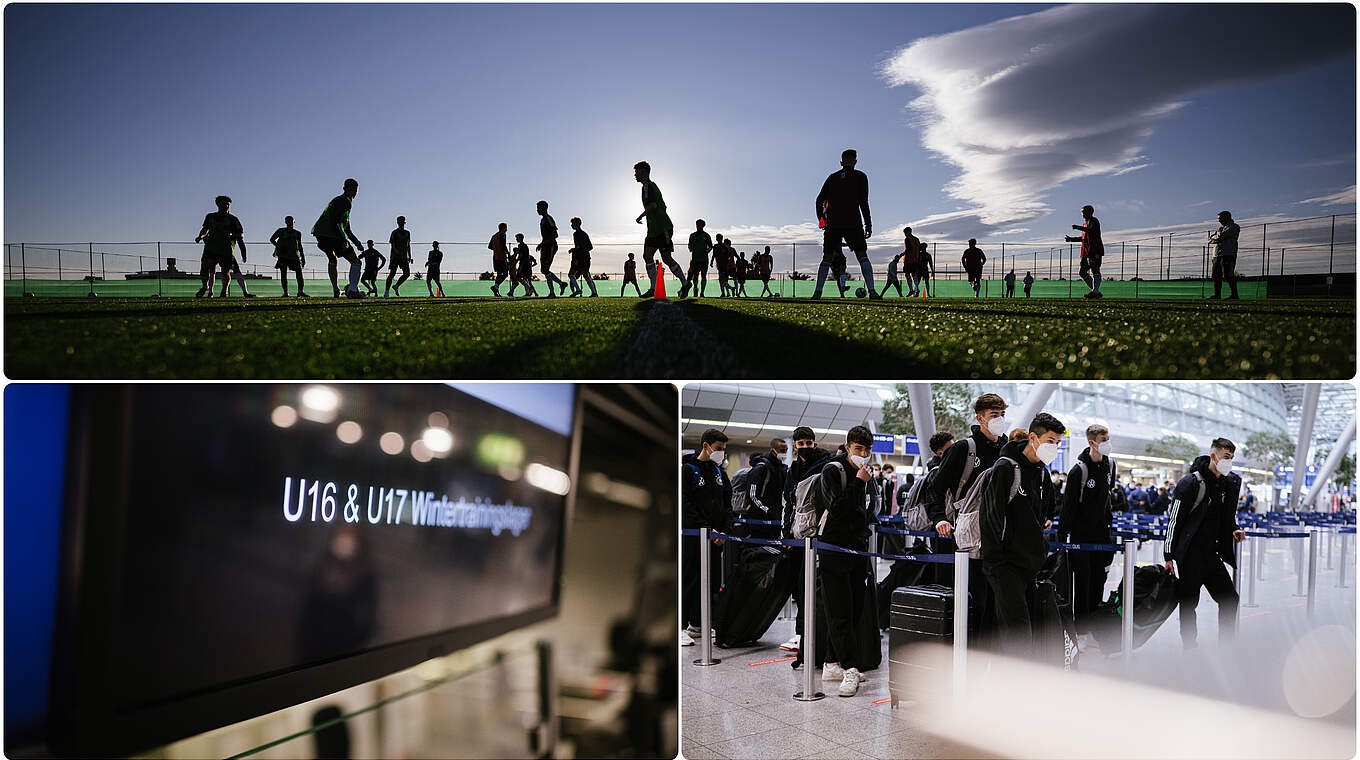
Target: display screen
x,y
267,528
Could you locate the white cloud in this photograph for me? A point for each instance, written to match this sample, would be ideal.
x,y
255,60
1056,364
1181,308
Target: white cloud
x,y
1339,198
1025,104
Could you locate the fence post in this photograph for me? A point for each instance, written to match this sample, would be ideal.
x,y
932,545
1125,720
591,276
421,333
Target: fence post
x,y
1121,261
58,263
705,602
1069,270
158,268
807,646
960,623
795,271
103,266
1136,283
23,265
1126,601
1312,571
91,267
1331,255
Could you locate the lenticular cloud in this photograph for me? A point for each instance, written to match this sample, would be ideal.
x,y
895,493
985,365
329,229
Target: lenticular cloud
x,y
1025,104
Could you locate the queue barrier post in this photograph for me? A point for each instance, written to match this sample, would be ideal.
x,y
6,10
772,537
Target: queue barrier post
x,y
1312,570
705,602
1252,573
873,547
1237,569
1332,536
1260,559
1126,601
1298,562
1341,570
960,623
807,646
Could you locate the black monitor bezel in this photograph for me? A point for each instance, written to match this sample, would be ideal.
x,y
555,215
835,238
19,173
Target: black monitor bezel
x,y
82,722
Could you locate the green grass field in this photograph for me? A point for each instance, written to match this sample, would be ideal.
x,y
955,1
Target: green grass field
x,y
612,337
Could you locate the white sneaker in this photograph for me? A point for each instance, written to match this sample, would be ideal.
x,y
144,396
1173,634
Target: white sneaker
x,y
832,672
685,640
692,630
850,682
1086,641
793,644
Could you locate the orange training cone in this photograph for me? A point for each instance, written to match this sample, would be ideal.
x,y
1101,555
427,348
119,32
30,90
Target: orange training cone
x,y
660,294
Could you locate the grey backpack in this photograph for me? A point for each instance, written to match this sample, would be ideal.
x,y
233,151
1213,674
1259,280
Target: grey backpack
x,y
968,528
810,511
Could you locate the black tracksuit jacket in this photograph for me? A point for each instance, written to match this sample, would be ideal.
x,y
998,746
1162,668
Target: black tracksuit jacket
x,y
1219,506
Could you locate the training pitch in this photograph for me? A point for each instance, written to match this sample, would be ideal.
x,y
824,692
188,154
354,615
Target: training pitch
x,y
579,338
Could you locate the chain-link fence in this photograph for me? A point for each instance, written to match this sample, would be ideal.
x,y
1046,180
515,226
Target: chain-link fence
x,y
1311,256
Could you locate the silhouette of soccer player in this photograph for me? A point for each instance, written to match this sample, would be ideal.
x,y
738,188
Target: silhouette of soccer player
x,y
220,232
973,259
722,261
580,259
1010,284
400,242
547,249
843,199
1092,250
659,227
331,230
764,268
288,250
911,258
699,246
630,275
893,282
500,257
743,273
373,261
1029,282
925,270
432,262
1224,240
524,265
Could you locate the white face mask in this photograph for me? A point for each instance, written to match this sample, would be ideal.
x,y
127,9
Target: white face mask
x,y
859,461
997,426
717,456
1224,466
1047,452
1105,448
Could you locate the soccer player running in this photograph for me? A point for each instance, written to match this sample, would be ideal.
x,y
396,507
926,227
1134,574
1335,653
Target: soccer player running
x,y
659,227
220,232
331,231
764,268
288,250
400,246
843,199
580,258
432,262
1200,536
973,260
1092,250
500,257
1225,255
630,275
547,248
699,246
373,261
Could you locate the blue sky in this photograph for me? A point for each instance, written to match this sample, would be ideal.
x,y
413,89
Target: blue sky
x,y
123,122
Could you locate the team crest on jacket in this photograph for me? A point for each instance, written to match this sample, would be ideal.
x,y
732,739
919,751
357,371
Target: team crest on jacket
x,y
1091,483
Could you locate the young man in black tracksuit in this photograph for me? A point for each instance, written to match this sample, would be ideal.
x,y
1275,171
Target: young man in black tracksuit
x,y
807,457
1200,536
939,443
706,502
949,483
1085,519
1012,522
765,484
845,577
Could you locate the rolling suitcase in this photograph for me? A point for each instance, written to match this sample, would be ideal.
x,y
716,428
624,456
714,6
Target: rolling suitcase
x,y
921,615
760,583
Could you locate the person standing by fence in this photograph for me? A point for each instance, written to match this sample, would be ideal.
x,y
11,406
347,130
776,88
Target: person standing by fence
x,y
1225,255
331,230
288,250
1092,250
399,243
843,209
696,278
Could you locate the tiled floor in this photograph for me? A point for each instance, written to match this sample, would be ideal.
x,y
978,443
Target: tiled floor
x,y
741,709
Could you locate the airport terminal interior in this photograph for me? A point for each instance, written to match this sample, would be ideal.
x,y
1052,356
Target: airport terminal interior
x,y
1284,688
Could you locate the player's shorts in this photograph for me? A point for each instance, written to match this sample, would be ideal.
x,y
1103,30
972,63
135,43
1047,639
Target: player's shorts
x,y
698,261
370,273
580,265
333,246
398,262
660,243
835,236
501,267
974,273
220,258
1089,264
432,273
288,262
547,253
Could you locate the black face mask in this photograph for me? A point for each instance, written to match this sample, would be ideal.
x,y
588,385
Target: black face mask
x,y
805,453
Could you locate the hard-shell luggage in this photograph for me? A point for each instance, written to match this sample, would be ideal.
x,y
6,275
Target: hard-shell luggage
x,y
921,615
760,582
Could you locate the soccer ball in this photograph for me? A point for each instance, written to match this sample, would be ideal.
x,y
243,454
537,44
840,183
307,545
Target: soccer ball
x,y
859,292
